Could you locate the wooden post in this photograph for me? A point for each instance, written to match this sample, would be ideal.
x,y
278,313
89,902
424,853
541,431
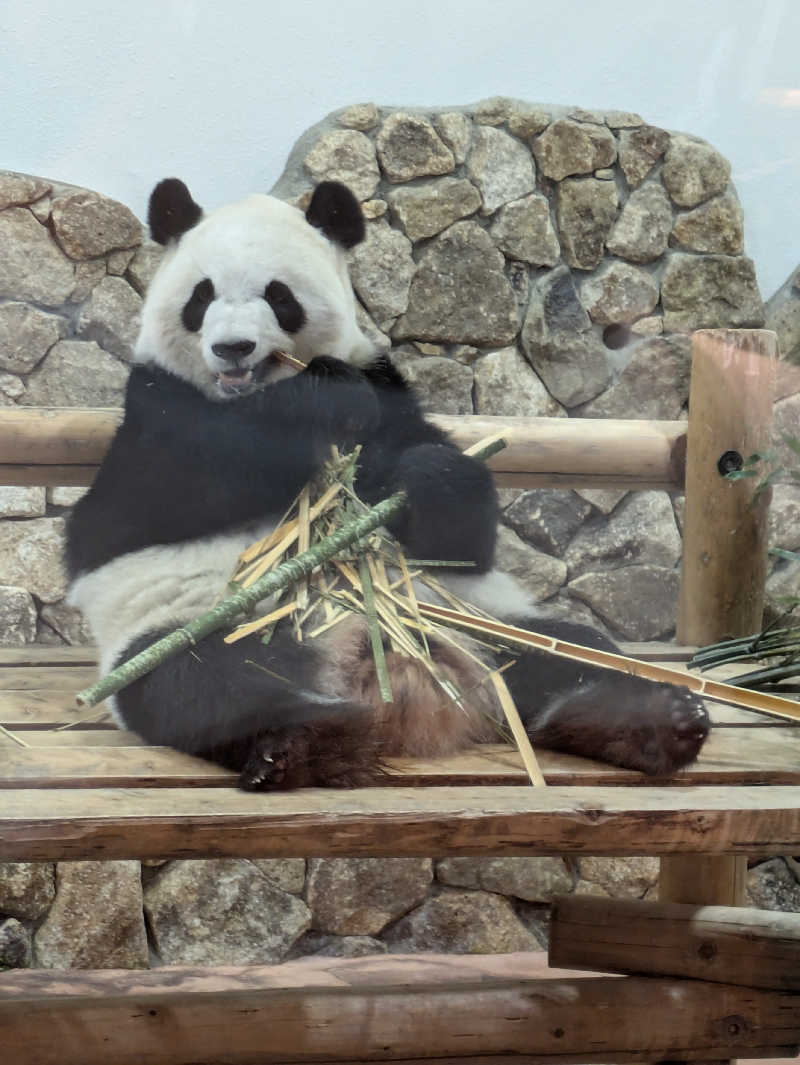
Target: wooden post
x,y
724,541
724,535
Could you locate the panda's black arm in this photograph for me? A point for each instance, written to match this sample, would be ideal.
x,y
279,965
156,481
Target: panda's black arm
x,y
452,511
182,466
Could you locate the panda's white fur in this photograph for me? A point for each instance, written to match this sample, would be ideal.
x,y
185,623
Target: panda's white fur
x,y
219,435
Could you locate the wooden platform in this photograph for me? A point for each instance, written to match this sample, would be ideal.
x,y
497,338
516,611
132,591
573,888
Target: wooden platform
x,y
91,791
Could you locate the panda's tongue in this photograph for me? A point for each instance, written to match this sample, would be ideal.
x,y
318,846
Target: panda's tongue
x,y
234,380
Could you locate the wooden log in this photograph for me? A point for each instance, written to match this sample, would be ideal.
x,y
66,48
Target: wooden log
x,y
58,446
703,879
724,536
381,1009
96,823
724,944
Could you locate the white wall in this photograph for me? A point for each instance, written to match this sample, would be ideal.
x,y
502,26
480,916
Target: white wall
x,y
115,95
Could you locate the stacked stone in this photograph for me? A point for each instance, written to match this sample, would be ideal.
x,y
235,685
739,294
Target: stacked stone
x,y
72,274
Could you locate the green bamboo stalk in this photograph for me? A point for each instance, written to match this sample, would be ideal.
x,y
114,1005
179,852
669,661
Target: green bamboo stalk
x,y
246,598
374,629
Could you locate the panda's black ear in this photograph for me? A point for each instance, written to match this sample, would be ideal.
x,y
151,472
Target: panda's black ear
x,y
171,211
335,210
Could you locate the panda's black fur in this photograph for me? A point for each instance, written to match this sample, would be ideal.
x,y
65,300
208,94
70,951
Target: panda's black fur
x,y
214,445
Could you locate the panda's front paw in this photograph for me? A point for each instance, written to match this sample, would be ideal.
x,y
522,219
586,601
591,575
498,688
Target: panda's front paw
x,y
332,369
346,409
275,762
664,727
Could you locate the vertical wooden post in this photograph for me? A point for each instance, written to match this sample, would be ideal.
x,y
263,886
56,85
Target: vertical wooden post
x,y
724,541
724,534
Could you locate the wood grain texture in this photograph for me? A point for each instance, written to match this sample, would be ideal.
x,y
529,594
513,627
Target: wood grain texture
x,y
95,823
725,944
380,1009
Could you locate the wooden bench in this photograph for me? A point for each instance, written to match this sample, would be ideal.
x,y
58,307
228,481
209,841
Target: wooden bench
x,y
90,792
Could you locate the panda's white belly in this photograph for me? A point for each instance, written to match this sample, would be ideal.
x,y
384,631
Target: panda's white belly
x,y
158,587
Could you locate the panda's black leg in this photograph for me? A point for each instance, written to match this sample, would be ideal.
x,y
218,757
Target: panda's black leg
x,y
599,713
242,704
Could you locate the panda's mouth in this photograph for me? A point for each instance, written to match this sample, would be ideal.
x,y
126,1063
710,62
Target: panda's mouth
x,y
240,380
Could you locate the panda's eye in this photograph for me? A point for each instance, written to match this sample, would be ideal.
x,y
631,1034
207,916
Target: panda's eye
x,y
290,315
195,307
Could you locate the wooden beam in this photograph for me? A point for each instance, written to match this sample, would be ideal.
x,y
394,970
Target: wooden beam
x,y
65,445
97,823
725,944
381,1009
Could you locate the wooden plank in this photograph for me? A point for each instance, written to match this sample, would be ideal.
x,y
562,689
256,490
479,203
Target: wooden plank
x,y
379,1009
37,654
41,709
703,879
101,759
95,823
579,451
46,678
724,944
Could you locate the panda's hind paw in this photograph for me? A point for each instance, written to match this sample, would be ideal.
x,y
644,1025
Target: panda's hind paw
x,y
271,763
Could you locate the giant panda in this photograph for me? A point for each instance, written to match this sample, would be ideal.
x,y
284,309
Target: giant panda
x,y
219,436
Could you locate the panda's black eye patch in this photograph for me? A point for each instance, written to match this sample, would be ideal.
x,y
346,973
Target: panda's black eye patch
x,y
291,316
195,307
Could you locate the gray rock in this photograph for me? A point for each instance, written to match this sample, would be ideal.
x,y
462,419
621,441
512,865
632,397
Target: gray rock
x,y
40,209
77,373
538,573
144,264
26,335
782,589
568,147
648,327
505,384
526,120
623,119
501,167
379,340
30,556
618,292
96,920
710,291
621,878
533,879
11,388
524,230
347,156
547,518
693,171
460,293
221,912
32,266
288,874
587,209
772,886
716,226
654,384
374,209
425,210
603,499
18,190
87,224
358,116
360,896
493,111
67,622
642,530
585,114
455,129
65,497
783,518
22,502
326,946
88,273
637,602
786,419
639,150
409,147
117,262
17,625
27,889
111,317
15,945
381,268
443,385
462,922
782,313
559,341
641,233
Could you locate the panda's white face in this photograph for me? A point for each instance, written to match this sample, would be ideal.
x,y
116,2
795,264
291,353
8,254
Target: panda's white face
x,y
248,280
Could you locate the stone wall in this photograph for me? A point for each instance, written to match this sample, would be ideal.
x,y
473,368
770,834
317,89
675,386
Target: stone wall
x,y
519,260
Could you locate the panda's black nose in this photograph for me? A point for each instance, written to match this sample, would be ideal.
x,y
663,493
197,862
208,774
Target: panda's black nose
x,y
235,349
